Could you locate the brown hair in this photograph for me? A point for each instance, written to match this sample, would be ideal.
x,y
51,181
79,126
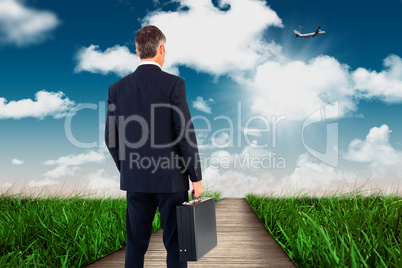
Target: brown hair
x,y
148,40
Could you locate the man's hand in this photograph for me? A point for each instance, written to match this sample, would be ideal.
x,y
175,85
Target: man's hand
x,y
198,188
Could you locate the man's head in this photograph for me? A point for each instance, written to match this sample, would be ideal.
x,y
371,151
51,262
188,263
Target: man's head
x,y
150,44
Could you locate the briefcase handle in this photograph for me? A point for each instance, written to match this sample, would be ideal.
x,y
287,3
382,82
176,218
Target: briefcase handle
x,y
193,196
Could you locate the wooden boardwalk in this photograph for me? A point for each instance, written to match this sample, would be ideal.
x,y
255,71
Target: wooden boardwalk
x,y
243,241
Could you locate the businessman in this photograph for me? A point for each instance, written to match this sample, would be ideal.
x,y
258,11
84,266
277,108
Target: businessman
x,y
151,138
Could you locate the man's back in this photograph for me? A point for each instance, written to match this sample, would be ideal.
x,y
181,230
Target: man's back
x,y
150,111
151,138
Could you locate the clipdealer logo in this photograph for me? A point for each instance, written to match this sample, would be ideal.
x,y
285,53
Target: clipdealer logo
x,y
329,112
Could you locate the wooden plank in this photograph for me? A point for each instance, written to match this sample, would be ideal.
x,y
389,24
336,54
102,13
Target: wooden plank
x,y
243,241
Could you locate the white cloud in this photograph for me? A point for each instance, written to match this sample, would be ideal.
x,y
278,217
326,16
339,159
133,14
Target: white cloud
x,y
202,138
231,43
22,25
117,59
238,174
376,150
203,105
45,104
314,176
377,140
309,176
17,162
217,42
232,183
220,159
61,171
257,132
296,89
219,154
44,182
223,172
253,150
68,165
221,140
99,180
7,184
225,41
385,85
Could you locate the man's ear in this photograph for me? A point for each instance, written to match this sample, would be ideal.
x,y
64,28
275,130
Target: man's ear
x,y
161,48
136,51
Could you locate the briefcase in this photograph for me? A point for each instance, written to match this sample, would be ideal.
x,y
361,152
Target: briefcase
x,y
196,226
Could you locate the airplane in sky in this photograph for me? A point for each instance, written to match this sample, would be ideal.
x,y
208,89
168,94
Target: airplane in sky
x,y
308,35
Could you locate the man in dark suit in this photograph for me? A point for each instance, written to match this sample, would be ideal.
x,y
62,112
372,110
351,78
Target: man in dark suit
x,y
151,138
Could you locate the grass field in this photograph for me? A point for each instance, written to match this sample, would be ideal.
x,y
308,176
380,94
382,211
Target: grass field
x,y
349,230
40,231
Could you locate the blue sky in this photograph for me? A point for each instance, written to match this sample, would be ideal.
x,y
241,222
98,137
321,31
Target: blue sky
x,y
228,52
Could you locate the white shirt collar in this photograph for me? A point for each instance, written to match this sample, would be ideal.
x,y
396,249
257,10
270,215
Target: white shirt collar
x,y
149,62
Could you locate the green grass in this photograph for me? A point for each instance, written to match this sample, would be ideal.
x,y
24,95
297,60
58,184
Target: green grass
x,y
349,230
59,231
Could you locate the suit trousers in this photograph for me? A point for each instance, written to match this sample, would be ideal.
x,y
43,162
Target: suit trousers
x,y
141,208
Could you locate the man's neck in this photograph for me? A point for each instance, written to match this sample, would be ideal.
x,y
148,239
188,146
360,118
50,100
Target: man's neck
x,y
146,61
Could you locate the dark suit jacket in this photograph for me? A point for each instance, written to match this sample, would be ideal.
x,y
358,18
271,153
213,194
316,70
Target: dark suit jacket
x,y
146,110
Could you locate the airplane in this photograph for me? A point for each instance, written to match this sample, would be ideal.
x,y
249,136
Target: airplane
x,y
308,35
